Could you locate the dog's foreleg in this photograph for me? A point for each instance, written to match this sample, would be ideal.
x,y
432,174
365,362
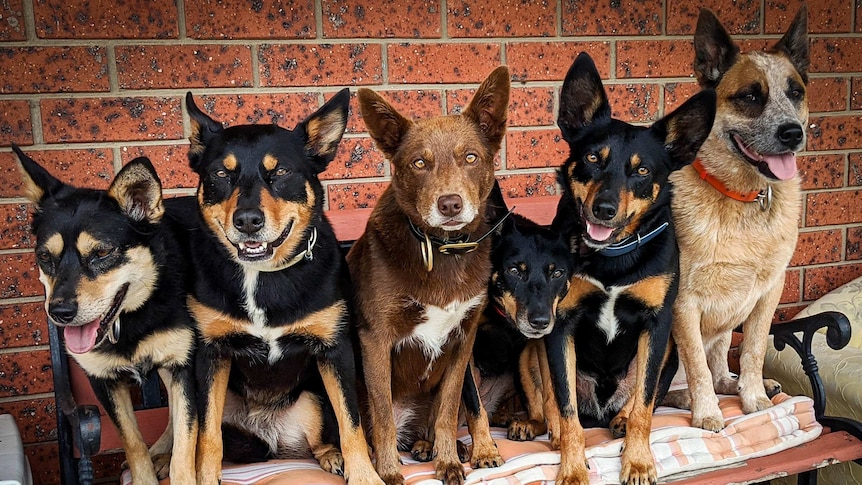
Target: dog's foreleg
x,y
531,382
485,454
753,350
705,412
160,452
184,423
549,406
560,348
211,375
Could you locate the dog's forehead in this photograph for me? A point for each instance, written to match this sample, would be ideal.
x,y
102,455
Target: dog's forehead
x,y
624,144
249,146
769,71
66,220
442,135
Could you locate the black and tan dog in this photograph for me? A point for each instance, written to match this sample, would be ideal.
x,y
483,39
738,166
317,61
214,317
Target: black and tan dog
x,y
737,210
616,317
276,362
113,272
420,273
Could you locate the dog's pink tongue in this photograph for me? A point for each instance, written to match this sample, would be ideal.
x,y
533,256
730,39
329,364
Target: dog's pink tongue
x,y
81,339
782,166
598,232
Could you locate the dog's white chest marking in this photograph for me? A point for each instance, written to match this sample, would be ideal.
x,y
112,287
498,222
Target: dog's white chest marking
x,y
438,324
257,315
607,321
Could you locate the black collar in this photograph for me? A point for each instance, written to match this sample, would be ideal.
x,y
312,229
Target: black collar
x,y
631,243
450,246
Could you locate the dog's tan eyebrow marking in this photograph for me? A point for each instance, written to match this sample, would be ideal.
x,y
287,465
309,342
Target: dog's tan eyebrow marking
x,y
86,243
230,162
605,152
269,162
635,160
54,244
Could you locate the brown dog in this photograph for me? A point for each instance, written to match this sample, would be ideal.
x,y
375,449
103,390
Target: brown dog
x,y
736,211
421,272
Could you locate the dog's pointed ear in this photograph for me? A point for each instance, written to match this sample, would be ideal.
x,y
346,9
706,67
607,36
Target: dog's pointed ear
x,y
138,191
203,130
714,50
496,205
582,98
794,43
686,128
384,123
38,183
323,129
489,107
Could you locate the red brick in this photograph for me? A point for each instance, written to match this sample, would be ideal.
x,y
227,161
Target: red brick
x,y
111,119
505,18
45,462
528,184
599,17
130,19
854,176
356,158
527,106
837,207
36,419
285,110
821,171
834,133
89,167
183,66
171,163
549,61
320,65
677,93
835,55
15,226
53,69
817,247
654,58
12,21
741,17
241,19
442,63
23,373
355,195
15,124
786,313
535,149
23,325
827,94
19,277
377,20
824,16
415,104
819,281
856,93
791,291
854,244
634,102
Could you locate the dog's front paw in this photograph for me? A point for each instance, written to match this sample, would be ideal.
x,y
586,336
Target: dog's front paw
x,y
488,457
577,476
394,479
772,387
618,426
423,451
714,423
332,461
449,473
463,451
756,403
526,430
638,473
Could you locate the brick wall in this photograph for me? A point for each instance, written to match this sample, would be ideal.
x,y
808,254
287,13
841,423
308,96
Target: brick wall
x,y
87,86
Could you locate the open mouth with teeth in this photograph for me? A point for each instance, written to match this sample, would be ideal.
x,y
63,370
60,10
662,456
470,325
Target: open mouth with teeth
x,y
256,251
81,339
780,166
598,235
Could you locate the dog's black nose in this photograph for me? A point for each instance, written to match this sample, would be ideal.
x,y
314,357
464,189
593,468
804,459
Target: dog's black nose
x,y
790,134
540,323
63,311
450,205
604,210
248,221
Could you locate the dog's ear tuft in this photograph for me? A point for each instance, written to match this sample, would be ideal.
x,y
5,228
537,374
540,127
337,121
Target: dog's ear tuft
x,y
323,129
714,50
794,43
490,106
582,98
138,190
38,183
203,129
686,128
384,123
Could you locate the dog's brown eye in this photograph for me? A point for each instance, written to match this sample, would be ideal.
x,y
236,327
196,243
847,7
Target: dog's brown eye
x,y
104,252
514,271
420,164
281,171
557,274
643,171
592,158
471,158
44,256
221,174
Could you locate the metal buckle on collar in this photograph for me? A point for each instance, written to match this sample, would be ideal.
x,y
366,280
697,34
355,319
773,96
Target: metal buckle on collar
x,y
458,248
114,332
764,198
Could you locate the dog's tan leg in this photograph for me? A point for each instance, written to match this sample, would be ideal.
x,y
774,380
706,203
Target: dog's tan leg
x,y
210,448
137,454
485,454
552,411
377,367
716,356
753,351
705,412
560,357
184,424
357,464
160,452
531,383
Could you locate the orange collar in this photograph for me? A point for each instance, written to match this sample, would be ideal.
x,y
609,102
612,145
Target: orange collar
x,y
719,185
